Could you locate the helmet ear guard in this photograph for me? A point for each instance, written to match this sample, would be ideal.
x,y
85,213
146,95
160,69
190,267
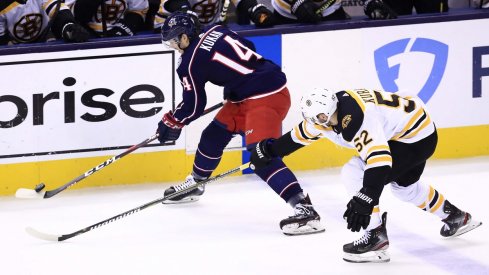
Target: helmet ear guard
x,y
319,101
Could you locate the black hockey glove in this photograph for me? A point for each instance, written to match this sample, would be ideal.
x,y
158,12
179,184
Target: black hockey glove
x,y
168,128
73,32
261,154
261,16
119,29
305,10
378,10
358,211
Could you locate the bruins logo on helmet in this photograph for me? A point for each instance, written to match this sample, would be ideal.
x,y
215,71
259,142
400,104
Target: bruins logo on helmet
x,y
345,121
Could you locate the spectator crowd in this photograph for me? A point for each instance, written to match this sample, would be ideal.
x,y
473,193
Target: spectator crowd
x,y
75,21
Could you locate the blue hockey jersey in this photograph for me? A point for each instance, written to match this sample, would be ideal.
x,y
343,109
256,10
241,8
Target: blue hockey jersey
x,y
226,59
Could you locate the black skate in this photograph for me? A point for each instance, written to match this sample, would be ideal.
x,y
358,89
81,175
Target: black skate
x,y
371,247
189,196
458,222
305,221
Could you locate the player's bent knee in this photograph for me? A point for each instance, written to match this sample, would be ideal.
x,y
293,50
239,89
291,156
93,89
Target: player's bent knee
x,y
415,193
214,136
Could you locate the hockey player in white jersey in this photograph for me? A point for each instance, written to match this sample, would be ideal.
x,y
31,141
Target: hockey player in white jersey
x,y
26,21
215,11
110,18
394,136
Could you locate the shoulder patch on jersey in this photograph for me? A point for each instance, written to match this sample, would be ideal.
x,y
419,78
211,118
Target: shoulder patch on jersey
x,y
350,114
345,121
5,3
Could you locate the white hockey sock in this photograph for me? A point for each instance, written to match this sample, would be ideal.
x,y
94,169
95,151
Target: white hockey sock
x,y
423,196
375,219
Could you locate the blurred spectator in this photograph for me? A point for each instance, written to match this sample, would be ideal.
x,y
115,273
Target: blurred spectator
x,y
389,9
215,11
31,21
308,11
109,18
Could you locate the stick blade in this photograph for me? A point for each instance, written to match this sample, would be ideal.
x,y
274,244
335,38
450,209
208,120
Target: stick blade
x,y
40,235
24,193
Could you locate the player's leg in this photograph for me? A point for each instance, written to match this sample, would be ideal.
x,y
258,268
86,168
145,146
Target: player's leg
x,y
213,140
264,120
408,187
372,246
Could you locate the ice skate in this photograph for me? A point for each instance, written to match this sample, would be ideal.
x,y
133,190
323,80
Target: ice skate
x,y
185,197
458,222
305,221
371,247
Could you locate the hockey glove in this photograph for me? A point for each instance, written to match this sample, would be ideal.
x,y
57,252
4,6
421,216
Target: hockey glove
x,y
358,211
73,32
378,10
261,16
305,11
261,154
168,128
119,29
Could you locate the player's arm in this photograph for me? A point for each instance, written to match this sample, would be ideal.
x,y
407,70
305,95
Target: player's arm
x,y
64,24
194,96
264,151
189,109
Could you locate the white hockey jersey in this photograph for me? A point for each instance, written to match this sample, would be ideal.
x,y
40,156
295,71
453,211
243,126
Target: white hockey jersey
x,y
327,7
26,22
114,11
208,11
367,120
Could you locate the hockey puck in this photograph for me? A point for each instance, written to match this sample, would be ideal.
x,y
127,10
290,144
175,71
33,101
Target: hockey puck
x,y
39,187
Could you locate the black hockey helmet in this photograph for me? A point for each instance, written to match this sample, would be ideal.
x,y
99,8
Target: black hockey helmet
x,y
179,23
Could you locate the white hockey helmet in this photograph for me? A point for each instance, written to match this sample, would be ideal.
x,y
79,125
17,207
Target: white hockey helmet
x,y
319,101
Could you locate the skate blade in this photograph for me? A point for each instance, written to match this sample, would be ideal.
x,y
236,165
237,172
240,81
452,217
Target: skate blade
x,y
182,201
466,228
380,256
311,227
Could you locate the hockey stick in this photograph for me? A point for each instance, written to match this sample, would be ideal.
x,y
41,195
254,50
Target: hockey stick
x,y
58,238
224,12
25,193
324,6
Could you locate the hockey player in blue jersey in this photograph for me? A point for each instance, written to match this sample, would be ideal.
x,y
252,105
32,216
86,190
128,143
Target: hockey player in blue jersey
x,y
257,102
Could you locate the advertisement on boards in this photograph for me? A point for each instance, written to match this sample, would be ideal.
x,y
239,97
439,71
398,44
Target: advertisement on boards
x,y
57,106
450,73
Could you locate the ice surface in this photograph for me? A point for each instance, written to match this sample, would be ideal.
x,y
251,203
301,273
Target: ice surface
x,y
234,229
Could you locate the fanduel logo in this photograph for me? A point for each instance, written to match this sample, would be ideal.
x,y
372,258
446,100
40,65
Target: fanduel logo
x,y
389,74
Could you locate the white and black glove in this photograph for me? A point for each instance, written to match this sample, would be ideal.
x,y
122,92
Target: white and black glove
x,y
305,11
378,10
119,29
359,209
259,14
73,32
